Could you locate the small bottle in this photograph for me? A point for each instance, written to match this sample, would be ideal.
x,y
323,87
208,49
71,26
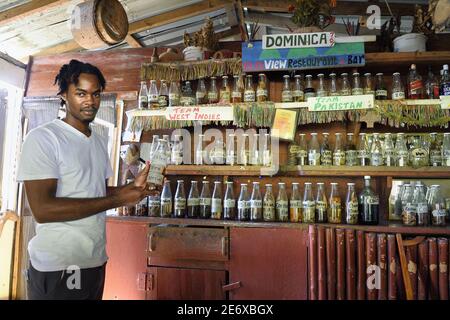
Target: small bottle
x,y
345,88
437,204
422,209
159,159
154,205
286,93
432,85
243,151
388,151
357,88
415,84
249,93
153,95
143,96
217,154
177,151
368,84
141,208
282,206
401,151
236,94
199,152
243,204
446,150
213,93
396,203
225,91
262,94
187,95
369,203
295,204
193,201
216,201
231,150
163,98
201,95
339,151
398,91
335,206
174,94
406,194
253,150
166,200
269,204
376,152
310,92
266,150
256,205
180,200
322,89
302,155
419,155
435,151
409,214
351,155
321,204
445,82
380,88
363,150
229,202
333,85
326,155
298,93
351,205
309,205
205,201
314,151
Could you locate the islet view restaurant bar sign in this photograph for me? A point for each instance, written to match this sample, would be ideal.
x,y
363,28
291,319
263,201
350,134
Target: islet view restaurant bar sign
x,y
298,40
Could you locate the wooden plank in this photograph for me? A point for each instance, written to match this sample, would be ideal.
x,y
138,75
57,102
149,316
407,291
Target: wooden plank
x,y
371,254
404,268
312,262
398,58
382,263
340,245
25,10
392,268
132,41
331,263
350,252
411,259
422,271
434,269
322,265
443,268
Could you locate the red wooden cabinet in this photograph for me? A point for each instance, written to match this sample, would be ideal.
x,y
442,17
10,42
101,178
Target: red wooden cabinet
x,y
267,264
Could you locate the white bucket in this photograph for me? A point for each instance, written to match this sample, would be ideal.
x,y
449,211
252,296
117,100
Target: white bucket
x,y
193,54
410,42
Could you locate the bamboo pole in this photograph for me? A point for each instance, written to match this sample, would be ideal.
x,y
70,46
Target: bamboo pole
x,y
351,264
312,262
443,268
422,274
331,263
361,271
392,274
340,240
322,265
433,268
382,264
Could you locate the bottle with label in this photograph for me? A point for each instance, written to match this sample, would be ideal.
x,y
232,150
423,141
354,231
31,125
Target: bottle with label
x,y
295,204
376,152
395,203
236,94
262,92
199,152
143,96
266,152
154,204
345,88
153,97
380,88
363,150
141,208
419,155
174,94
314,151
322,88
335,205
293,150
398,91
193,201
310,92
269,204
217,154
163,98
351,155
388,151
339,151
180,200
437,205
213,92
445,82
187,95
225,91
166,200
249,93
177,151
432,85
308,204
201,94
357,88
419,200
368,84
254,150
326,155
154,147
205,201
230,150
435,151
302,155
333,85
401,151
282,205
407,193
415,84
369,204
159,162
216,201
256,205
242,149
446,150
351,205
321,204
298,94
243,204
229,202
286,93
409,214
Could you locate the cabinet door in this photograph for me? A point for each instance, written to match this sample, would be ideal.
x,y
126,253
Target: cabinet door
x,y
185,284
126,246
268,264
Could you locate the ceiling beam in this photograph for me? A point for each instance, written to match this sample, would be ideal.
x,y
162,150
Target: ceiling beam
x,y
132,41
240,10
28,9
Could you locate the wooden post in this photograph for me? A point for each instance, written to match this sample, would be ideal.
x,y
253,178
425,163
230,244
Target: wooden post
x,y
351,264
371,254
433,267
382,263
322,264
422,274
403,264
340,240
392,267
411,258
361,272
312,262
443,268
331,263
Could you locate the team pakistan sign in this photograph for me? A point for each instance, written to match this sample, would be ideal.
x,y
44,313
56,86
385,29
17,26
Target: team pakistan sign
x,y
298,40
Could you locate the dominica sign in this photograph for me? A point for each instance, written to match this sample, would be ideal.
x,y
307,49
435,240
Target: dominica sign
x,y
298,40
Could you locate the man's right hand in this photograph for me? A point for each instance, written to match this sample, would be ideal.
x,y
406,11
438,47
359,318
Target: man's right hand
x,y
132,194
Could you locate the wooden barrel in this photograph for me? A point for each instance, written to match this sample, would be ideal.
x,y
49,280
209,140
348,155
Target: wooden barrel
x,y
99,23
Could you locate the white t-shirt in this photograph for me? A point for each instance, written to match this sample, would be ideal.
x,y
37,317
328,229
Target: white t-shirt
x,y
81,164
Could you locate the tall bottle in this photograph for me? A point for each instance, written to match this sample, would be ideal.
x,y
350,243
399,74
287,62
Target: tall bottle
x,y
401,151
422,209
369,204
415,84
368,84
201,96
295,204
286,93
154,205
351,205
335,205
389,150
435,151
205,201
395,203
243,204
326,155
177,151
262,92
339,151
446,150
314,151
321,204
269,204
153,95
380,88
216,201
180,200
166,200
266,150
302,155
409,214
363,150
225,91
187,95
229,202
174,94
432,85
213,92
236,94
445,82
310,92
282,205
351,155
230,150
193,201
163,98
159,162
249,93
398,91
437,205
333,85
309,205
298,94
345,88
376,152
256,205
143,96
322,88
357,88
199,152
419,155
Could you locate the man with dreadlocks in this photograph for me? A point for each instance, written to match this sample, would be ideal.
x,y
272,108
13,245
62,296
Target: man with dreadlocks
x,y
64,166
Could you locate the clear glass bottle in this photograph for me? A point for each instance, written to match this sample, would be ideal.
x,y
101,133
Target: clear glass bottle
x,y
154,147
376,152
345,88
201,96
231,150
159,160
409,214
380,88
357,88
389,151
154,205
295,204
205,201
282,205
314,151
229,202
199,152
396,203
419,155
339,151
407,193
326,155
217,154
249,93
321,204
193,201
143,96
216,201
335,205
177,151
435,151
445,82
369,203
225,91
368,84
262,92
269,204
163,98
180,200
310,92
266,150
432,85
243,204
243,150
398,91
236,94
153,95
437,205
419,200
256,205
446,150
187,95
302,155
351,155
286,93
351,205
415,84
174,94
363,150
166,200
401,151
309,205
254,150
213,92
298,94
322,87
333,85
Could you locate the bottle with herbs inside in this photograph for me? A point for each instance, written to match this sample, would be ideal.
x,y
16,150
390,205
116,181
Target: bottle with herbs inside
x,y
213,92
154,204
401,151
357,88
368,84
326,155
225,91
174,94
269,204
282,205
351,205
236,94
187,95
166,200
314,151
363,150
143,96
422,209
193,201
205,201
398,91
180,200
256,205
153,95
302,155
216,201
163,98
249,93
321,204
446,150
243,204
295,204
339,151
229,202
380,88
409,214
322,87
369,203
309,205
435,151
335,206
333,85
419,155
262,92
388,151
298,93
310,92
351,155
376,151
415,84
286,93
437,205
345,88
201,94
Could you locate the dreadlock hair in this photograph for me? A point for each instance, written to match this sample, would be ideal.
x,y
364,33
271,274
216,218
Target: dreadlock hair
x,y
69,73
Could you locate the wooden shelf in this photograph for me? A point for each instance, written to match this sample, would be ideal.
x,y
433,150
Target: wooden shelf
x,y
211,170
397,58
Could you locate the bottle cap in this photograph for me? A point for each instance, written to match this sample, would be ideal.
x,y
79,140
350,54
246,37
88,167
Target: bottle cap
x,y
356,73
367,74
320,183
367,177
308,76
268,184
344,74
379,73
296,183
350,183
308,183
320,75
332,74
334,183
286,76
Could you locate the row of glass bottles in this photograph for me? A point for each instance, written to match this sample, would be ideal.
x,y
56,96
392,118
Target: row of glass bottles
x,y
370,150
